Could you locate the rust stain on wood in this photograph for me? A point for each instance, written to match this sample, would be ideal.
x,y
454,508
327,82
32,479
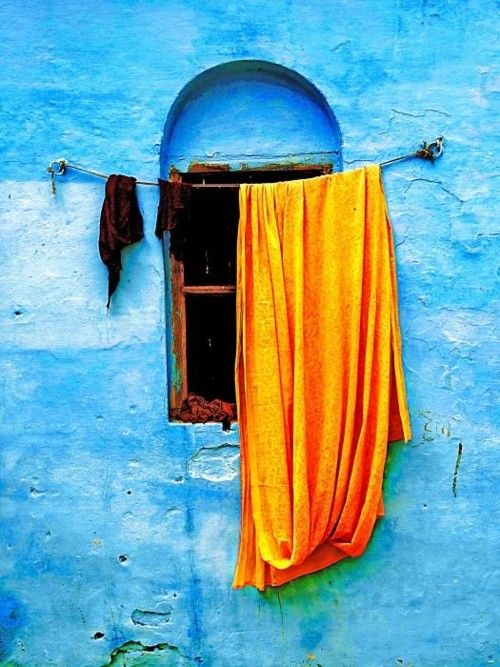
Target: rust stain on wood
x,y
195,167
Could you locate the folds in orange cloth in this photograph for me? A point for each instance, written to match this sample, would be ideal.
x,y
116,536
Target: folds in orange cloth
x,y
319,379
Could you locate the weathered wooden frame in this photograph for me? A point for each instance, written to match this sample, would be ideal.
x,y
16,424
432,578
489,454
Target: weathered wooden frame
x,y
178,385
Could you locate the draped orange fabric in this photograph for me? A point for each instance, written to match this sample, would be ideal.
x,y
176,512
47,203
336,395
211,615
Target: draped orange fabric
x,y
319,379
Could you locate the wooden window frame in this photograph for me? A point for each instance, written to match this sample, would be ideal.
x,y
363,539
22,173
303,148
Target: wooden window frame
x,y
178,389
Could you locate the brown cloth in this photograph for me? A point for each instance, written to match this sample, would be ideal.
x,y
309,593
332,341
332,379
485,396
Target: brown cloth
x,y
197,410
121,225
173,214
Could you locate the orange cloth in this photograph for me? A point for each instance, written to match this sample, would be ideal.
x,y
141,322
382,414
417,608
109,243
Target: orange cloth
x,y
320,387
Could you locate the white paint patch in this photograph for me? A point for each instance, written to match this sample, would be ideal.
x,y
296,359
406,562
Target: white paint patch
x,y
469,327
215,464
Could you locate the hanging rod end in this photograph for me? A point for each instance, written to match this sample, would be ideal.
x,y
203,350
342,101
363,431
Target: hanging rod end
x,y
432,150
60,169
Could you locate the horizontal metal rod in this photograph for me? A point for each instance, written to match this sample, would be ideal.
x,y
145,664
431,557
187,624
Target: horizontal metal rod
x,y
428,151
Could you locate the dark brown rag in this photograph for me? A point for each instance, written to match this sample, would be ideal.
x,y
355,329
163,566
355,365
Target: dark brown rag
x,y
173,214
121,225
196,409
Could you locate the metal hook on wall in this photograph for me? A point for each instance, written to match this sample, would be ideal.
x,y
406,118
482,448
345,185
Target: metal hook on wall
x,y
428,151
61,168
431,151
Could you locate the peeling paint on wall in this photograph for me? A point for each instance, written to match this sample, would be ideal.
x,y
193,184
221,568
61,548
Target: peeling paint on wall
x,y
151,618
136,654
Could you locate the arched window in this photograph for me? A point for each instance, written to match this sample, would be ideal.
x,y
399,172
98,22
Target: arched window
x,y
247,121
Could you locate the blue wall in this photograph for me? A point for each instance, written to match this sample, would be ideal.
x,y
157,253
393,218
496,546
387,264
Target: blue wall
x,y
119,531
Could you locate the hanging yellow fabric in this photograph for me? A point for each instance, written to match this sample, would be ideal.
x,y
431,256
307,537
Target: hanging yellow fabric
x,y
320,385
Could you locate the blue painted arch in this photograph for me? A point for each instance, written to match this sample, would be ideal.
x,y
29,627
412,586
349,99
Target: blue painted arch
x,y
249,113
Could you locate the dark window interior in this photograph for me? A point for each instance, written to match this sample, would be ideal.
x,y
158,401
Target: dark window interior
x,y
210,250
210,268
211,344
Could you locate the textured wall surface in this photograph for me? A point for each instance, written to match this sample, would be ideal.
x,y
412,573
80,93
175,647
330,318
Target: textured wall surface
x,y
119,531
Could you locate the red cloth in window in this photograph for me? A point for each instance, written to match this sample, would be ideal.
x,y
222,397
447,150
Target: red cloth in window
x,y
197,410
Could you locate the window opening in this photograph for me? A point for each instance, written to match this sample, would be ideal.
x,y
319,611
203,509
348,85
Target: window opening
x,y
204,281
